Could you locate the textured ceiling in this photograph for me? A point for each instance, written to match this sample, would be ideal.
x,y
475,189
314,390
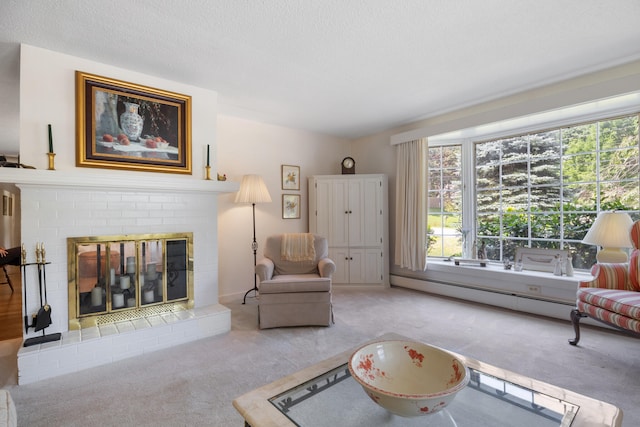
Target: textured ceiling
x,y
342,67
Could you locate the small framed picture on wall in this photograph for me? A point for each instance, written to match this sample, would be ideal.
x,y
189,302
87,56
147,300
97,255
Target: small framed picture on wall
x,y
290,177
290,206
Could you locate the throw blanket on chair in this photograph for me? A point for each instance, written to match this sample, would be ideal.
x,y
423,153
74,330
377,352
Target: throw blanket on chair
x,y
298,247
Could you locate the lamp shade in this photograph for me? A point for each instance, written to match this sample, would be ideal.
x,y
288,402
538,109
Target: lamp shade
x,y
253,190
611,231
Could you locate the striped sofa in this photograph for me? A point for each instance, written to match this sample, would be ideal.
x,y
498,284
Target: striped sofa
x,y
613,296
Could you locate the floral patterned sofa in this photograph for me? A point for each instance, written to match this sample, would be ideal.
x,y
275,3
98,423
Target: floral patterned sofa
x,y
613,296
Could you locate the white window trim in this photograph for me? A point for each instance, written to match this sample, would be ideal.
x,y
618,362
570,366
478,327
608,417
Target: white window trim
x,y
588,112
556,117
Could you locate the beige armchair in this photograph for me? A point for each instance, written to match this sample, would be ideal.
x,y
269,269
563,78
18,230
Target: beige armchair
x,y
295,281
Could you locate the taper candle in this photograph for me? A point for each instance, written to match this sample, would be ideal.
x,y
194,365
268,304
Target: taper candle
x,y
208,155
50,140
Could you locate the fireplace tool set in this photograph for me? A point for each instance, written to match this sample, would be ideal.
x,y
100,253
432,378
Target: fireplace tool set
x,y
42,319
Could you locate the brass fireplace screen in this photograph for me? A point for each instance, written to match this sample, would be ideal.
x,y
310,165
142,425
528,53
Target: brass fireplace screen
x,y
115,278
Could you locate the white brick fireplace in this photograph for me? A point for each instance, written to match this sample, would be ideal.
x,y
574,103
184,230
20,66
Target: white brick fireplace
x,y
60,204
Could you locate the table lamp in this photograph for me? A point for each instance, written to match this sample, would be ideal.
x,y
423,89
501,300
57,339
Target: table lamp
x,y
611,231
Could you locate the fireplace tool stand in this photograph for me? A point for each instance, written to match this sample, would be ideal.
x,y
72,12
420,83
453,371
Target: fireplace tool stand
x,y
42,319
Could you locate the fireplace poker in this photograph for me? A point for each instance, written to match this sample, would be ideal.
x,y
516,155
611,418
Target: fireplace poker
x,y
23,266
43,318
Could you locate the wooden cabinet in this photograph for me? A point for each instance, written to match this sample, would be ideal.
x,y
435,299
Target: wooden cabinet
x,y
351,211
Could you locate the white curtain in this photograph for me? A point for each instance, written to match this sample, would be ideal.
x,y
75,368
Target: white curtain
x,y
410,248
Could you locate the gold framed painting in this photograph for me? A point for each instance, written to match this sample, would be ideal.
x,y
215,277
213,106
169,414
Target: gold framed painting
x,y
122,125
290,177
290,206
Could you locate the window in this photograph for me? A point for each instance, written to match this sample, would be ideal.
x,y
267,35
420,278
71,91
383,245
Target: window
x,y
444,225
539,189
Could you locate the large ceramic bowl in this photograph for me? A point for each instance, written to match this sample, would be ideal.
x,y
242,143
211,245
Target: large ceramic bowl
x,y
408,378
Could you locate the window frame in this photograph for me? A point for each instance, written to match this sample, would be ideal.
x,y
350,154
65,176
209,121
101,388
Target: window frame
x,y
468,158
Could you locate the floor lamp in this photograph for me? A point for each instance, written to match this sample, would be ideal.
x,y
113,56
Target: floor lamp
x,y
253,190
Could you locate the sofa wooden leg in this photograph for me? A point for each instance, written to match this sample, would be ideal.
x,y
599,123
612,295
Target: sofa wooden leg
x,y
575,320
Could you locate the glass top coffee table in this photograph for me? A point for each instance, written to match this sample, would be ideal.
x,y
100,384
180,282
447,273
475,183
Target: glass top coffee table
x,y
325,395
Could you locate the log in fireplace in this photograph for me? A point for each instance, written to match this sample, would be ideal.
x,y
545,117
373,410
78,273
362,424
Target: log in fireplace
x,y
125,277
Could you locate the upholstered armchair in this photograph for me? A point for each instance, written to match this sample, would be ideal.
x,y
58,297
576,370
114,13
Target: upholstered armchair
x,y
613,296
295,281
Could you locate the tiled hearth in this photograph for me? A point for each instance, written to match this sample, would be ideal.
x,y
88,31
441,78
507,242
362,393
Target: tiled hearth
x,y
56,205
95,346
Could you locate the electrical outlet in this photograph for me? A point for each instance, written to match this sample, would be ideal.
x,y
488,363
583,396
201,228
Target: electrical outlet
x,y
534,289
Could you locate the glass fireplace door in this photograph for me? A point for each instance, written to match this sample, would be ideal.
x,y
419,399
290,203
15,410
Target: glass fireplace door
x,y
114,278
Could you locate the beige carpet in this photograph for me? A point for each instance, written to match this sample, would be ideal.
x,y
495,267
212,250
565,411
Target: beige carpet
x,y
194,384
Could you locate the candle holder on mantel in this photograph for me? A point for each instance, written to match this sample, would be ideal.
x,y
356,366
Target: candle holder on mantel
x,y
51,161
207,173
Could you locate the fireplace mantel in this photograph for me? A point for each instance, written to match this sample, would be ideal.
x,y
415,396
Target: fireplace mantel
x,y
101,179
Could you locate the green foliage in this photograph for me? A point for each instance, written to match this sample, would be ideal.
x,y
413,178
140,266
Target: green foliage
x,y
545,189
570,227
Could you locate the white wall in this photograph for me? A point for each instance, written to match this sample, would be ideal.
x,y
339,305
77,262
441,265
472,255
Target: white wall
x,y
86,201
241,146
47,96
264,147
10,101
575,91
238,147
376,155
248,147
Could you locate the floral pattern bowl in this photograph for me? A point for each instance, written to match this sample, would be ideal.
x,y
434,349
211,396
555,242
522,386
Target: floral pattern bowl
x,y
408,378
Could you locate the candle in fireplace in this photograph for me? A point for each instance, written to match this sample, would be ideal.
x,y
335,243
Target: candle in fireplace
x,y
125,282
148,296
96,296
118,300
151,271
131,264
